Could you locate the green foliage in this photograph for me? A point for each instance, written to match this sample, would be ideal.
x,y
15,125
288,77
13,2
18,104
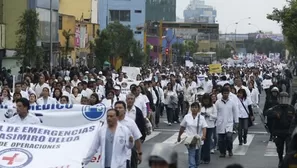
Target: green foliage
x,y
264,46
287,16
117,41
191,46
136,57
224,51
27,50
102,48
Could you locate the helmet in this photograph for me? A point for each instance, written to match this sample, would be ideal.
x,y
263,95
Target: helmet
x,y
163,153
284,98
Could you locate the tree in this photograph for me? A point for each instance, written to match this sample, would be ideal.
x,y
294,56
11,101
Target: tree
x,y
191,46
67,49
137,57
287,16
102,47
264,46
112,42
27,50
224,52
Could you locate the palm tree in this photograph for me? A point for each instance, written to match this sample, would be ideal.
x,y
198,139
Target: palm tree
x,y
67,35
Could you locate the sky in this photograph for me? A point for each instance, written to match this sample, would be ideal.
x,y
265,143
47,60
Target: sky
x,y
231,11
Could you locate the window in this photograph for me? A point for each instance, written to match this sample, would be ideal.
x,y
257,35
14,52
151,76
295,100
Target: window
x,y
137,11
120,15
60,22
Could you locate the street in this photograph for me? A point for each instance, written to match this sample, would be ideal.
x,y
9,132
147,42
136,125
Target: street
x,y
257,153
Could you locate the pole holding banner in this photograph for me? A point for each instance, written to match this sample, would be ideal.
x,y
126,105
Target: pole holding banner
x,y
13,83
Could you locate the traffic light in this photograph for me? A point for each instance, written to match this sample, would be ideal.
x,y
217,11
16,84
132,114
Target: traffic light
x,y
167,51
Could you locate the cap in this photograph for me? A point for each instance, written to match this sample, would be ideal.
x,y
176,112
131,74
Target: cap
x,y
275,89
116,87
100,73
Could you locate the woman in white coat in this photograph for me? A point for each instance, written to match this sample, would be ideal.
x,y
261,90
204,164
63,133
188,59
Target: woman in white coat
x,y
114,140
46,99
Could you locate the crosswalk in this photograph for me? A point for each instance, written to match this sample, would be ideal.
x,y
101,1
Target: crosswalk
x,y
255,140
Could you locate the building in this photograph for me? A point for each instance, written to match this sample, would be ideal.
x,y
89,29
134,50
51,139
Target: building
x,y
157,10
198,12
81,21
10,12
86,10
130,13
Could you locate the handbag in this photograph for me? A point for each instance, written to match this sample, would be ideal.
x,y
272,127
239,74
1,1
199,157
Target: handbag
x,y
250,119
195,140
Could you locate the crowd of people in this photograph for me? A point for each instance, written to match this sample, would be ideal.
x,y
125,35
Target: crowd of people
x,y
209,107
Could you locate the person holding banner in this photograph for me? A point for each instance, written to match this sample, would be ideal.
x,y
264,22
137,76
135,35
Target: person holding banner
x,y
23,116
113,139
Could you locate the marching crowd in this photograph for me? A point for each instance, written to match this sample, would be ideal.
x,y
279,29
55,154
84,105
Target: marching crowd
x,y
209,107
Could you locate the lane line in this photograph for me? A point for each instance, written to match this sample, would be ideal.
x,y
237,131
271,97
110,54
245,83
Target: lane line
x,y
271,149
173,139
152,135
241,150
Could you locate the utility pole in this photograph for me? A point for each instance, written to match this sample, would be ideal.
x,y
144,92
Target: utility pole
x,y
51,36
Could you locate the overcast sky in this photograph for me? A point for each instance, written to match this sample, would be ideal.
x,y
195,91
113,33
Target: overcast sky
x,y
230,11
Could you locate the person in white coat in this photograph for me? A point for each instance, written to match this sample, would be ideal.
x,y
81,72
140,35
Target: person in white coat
x,y
46,99
113,139
227,115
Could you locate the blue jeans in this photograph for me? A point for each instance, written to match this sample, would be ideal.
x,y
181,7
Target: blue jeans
x,y
193,157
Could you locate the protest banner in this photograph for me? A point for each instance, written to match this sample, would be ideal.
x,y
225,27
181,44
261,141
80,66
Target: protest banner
x,y
62,115
215,68
36,146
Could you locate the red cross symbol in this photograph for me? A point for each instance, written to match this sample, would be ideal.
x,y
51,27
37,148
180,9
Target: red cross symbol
x,y
10,159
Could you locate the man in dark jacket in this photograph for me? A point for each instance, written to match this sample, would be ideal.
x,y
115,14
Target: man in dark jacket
x,y
282,117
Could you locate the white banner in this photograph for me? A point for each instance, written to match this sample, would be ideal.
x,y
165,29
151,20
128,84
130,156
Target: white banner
x,y
44,147
62,115
59,115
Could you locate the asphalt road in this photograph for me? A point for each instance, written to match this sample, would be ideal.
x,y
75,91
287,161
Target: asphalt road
x,y
257,153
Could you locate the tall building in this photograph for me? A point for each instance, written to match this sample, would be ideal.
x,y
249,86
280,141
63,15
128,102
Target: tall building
x,y
197,11
160,10
130,13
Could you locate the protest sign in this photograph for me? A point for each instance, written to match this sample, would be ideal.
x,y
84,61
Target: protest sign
x,y
36,146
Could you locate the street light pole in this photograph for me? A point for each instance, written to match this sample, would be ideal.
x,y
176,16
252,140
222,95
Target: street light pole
x,y
236,30
51,36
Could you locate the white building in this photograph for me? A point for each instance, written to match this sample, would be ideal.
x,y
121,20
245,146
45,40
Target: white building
x,y
197,11
129,12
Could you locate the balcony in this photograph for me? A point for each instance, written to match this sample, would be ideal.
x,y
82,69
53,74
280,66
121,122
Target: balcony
x,y
2,36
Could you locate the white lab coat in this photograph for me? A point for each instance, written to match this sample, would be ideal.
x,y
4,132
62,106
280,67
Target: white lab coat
x,y
120,146
50,100
227,115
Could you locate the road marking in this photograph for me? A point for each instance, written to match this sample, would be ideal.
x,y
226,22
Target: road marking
x,y
167,130
270,149
241,150
152,135
173,139
258,132
176,130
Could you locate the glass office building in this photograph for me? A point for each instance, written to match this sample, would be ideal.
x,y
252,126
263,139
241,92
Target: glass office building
x,y
157,10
